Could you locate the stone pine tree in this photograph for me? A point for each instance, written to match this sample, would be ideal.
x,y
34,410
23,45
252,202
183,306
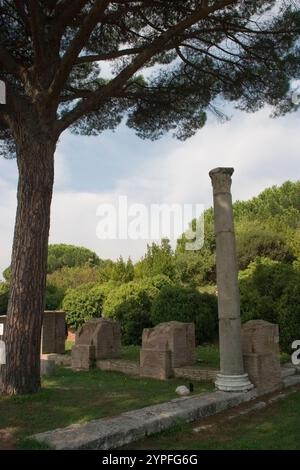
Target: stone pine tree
x,y
53,58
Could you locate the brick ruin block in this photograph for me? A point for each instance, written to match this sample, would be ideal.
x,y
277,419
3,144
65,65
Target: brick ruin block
x,y
97,339
261,355
47,367
169,345
53,332
83,356
156,364
260,336
264,371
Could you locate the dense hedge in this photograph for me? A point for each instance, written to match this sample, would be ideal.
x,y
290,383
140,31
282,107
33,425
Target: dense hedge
x,y
4,291
187,305
130,304
254,241
270,290
85,302
54,297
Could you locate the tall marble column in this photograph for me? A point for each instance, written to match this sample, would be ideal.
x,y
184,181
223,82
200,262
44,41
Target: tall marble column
x,y
232,377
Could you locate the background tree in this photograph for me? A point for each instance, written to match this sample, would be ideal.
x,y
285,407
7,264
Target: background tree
x,y
159,259
51,53
62,255
122,271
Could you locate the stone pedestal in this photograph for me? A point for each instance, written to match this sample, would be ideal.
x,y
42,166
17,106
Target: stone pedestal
x,y
232,376
83,356
261,355
175,336
47,367
156,364
53,332
165,347
97,339
260,336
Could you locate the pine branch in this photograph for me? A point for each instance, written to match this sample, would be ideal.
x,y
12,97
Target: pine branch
x,y
159,44
75,48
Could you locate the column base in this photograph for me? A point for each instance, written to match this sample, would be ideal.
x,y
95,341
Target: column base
x,y
233,383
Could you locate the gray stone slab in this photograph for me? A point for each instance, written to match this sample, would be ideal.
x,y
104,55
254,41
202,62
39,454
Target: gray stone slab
x,y
287,371
291,380
109,433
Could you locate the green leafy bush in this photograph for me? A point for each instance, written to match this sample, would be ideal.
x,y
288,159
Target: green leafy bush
x,y
4,293
70,278
130,304
253,242
54,297
187,305
270,291
84,303
7,274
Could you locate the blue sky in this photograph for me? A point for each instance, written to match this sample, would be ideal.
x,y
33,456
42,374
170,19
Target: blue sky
x,y
93,170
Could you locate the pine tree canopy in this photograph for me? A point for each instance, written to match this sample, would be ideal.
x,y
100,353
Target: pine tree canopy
x,y
160,64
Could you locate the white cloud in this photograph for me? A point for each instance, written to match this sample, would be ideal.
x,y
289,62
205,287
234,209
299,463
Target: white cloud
x,y
262,151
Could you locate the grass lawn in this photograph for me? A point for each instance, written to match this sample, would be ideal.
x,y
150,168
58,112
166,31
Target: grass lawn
x,y
75,397
207,355
274,428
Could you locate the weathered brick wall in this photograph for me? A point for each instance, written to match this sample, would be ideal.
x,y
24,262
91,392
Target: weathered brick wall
x,y
119,365
196,373
53,332
133,368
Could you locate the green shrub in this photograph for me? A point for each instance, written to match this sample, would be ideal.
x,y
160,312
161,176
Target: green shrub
x,y
288,310
84,303
253,242
187,305
54,297
4,293
70,278
271,291
7,274
130,304
158,281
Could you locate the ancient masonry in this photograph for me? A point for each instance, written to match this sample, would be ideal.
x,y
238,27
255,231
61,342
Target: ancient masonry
x,y
261,355
53,332
97,339
166,347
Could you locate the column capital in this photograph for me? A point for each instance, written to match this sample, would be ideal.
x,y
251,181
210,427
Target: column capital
x,y
221,179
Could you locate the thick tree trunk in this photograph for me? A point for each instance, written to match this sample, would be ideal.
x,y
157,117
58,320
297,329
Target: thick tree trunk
x,y
35,156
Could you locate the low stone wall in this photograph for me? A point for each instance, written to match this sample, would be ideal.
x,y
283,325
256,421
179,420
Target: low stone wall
x,y
59,359
196,373
119,365
133,368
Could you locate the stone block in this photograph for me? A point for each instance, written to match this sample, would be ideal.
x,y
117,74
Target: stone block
x,y
83,356
53,332
104,335
156,364
177,337
264,371
259,336
47,367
